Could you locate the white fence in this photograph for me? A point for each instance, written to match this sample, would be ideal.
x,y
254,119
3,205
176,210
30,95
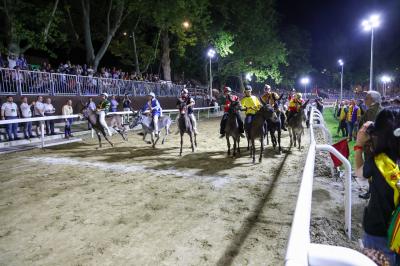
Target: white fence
x,y
24,82
300,250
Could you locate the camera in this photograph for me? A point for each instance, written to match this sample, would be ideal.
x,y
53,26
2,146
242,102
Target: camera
x,y
370,129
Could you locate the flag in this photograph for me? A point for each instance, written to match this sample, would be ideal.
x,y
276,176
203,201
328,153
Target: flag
x,y
342,147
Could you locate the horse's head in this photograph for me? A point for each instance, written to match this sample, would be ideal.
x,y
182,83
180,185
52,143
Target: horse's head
x,y
182,107
268,112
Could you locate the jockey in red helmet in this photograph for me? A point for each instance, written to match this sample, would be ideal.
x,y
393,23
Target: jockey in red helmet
x,y
229,99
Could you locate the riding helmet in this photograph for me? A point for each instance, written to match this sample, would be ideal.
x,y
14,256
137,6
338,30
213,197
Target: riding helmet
x,y
298,95
248,88
227,89
151,94
184,91
105,94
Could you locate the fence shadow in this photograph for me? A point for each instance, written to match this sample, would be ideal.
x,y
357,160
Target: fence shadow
x,y
234,247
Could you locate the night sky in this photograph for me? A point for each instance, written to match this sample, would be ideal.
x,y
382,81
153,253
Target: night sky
x,y
335,28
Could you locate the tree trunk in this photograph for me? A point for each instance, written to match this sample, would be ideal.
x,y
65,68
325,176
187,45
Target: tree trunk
x,y
135,54
241,82
165,59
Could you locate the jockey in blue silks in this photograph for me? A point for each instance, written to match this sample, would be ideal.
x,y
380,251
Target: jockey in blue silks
x,y
152,107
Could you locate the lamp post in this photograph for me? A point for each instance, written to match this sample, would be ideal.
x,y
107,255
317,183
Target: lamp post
x,y
385,80
369,25
341,63
305,81
211,53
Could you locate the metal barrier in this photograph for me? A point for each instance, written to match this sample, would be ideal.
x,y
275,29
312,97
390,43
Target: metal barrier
x,y
25,82
300,250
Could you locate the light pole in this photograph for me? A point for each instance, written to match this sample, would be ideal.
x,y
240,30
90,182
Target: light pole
x,y
341,63
385,80
211,53
369,25
305,81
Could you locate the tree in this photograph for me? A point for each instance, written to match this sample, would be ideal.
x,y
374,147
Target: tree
x,y
117,11
298,45
29,25
252,38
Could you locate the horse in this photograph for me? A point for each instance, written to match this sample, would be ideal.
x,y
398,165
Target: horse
x,y
114,121
148,127
232,129
185,126
275,126
295,125
256,130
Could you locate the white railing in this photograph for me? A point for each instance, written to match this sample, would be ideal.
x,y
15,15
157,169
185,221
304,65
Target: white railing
x,y
25,82
300,250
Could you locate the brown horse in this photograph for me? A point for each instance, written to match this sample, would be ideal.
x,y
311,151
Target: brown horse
x,y
295,126
185,126
232,128
257,131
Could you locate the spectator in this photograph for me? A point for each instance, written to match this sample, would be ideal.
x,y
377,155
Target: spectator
x,y
126,104
9,110
26,112
11,61
353,116
21,62
49,110
320,104
114,104
373,103
67,110
39,112
92,106
2,62
384,175
341,114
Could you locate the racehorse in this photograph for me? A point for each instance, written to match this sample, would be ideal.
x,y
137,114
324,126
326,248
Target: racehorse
x,y
256,130
148,127
295,125
185,126
275,126
232,128
114,121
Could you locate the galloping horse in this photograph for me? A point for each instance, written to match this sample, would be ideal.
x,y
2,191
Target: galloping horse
x,y
232,128
114,121
185,126
257,131
148,127
295,125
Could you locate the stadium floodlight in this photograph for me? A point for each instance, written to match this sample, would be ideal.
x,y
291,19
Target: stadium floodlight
x,y
374,21
305,81
211,53
341,63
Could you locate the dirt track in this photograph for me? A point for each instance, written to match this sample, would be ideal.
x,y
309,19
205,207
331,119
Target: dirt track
x,y
134,205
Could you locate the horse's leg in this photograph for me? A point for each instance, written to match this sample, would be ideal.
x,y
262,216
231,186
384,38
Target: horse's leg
x,y
195,140
120,132
234,146
191,140
166,134
290,136
238,145
253,150
279,139
180,153
262,148
299,140
105,136
228,143
98,136
155,142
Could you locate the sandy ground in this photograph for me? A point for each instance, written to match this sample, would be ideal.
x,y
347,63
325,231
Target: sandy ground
x,y
134,205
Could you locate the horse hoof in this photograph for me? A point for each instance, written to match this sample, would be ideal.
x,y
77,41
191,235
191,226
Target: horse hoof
x,y
148,142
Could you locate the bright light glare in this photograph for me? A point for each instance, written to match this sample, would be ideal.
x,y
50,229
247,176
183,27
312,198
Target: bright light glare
x,y
186,24
305,81
211,53
125,33
340,61
373,22
248,76
386,79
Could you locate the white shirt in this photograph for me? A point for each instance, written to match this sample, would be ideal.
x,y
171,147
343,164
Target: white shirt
x,y
10,109
39,108
26,110
67,110
12,63
92,106
48,108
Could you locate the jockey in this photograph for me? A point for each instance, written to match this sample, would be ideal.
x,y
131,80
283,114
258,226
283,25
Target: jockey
x,y
102,109
230,98
251,105
152,107
270,97
292,94
185,97
294,105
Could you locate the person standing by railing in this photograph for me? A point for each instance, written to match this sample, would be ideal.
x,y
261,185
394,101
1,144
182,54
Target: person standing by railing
x,y
114,104
39,112
26,112
67,110
9,110
49,110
